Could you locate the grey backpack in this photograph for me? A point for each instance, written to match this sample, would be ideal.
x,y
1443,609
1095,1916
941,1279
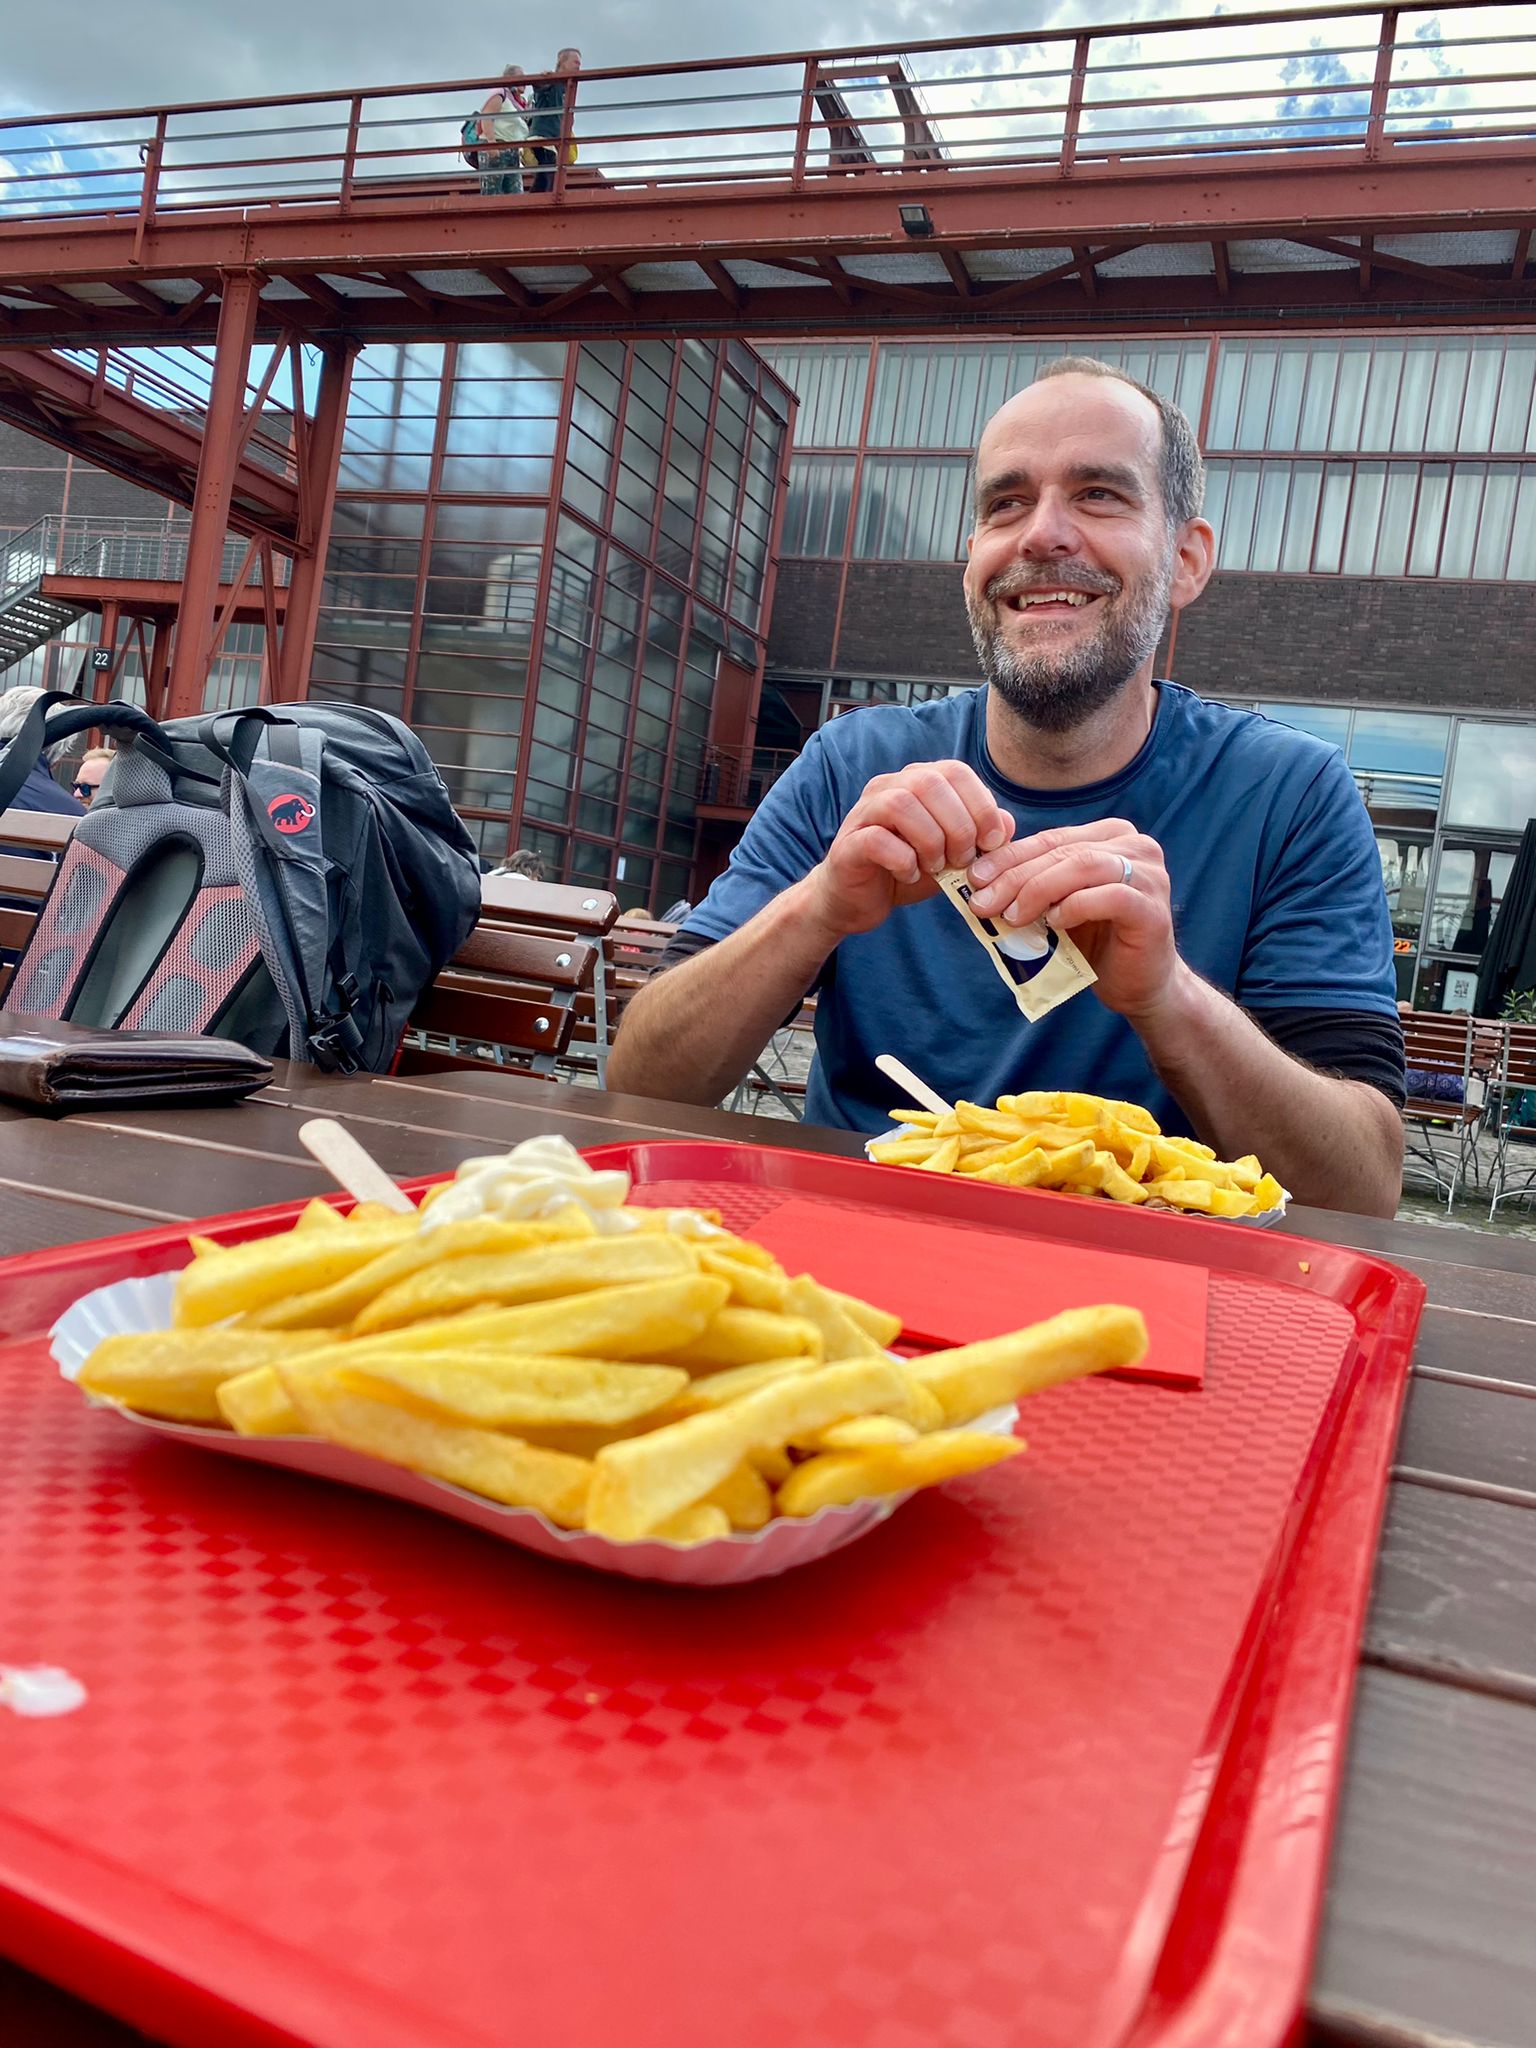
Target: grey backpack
x,y
292,879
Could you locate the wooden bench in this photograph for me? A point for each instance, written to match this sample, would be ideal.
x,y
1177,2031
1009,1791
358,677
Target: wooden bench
x,y
512,993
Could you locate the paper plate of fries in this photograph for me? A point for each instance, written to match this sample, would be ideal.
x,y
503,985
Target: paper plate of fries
x,y
651,1396
1081,1145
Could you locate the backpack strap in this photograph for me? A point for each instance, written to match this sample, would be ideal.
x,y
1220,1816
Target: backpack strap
x,y
275,774
58,716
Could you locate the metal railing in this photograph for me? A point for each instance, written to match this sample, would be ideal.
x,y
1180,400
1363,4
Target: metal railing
x,y
176,381
1356,82
740,777
112,550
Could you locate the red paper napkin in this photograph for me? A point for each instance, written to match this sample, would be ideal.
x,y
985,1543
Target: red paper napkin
x,y
955,1285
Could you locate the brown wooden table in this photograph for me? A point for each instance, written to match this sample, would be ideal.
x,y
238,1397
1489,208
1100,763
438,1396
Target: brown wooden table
x,y
1430,1930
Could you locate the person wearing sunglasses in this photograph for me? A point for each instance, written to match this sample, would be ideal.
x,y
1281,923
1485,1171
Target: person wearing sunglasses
x,y
89,772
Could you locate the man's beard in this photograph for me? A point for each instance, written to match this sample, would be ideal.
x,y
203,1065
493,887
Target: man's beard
x,y
1053,691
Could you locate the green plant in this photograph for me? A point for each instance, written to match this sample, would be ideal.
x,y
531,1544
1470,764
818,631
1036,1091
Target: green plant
x,y
1520,1006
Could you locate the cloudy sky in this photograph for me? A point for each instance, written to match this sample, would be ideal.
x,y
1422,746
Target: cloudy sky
x,y
78,54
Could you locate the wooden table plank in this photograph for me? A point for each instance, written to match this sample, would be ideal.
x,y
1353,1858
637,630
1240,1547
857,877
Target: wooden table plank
x,y
1428,1933
1470,1346
139,1170
1455,1591
1470,1438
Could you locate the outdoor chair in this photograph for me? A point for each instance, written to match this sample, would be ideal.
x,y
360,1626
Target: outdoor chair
x,y
1440,1129
1512,1119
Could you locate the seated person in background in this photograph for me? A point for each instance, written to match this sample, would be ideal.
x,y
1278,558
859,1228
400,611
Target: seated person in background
x,y
524,862
1218,871
39,792
90,771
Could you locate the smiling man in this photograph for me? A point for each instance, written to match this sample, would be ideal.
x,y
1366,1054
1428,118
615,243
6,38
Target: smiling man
x,y
1218,870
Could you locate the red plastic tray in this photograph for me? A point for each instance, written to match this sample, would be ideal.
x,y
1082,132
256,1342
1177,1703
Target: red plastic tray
x,y
1047,1761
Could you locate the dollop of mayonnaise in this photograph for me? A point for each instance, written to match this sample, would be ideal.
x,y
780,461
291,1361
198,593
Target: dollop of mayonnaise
x,y
37,1690
545,1174
534,1179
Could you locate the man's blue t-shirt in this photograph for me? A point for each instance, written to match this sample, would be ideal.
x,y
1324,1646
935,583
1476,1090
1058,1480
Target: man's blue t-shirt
x,y
1277,900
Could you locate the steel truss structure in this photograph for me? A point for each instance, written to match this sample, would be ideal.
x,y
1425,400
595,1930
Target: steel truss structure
x,y
1356,167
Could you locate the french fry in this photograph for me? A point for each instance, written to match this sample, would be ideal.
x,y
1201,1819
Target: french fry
x,y
202,1247
652,1321
878,1323
841,1336
480,1460
837,1477
714,1389
256,1403
335,1306
247,1276
745,1497
943,1158
976,1377
510,1392
744,1336
176,1373
541,1273
318,1214
703,1523
365,1214
859,1432
751,1286
640,1482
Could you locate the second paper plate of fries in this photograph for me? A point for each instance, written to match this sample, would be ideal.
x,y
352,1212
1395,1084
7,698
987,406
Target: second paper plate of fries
x,y
1081,1145
630,1388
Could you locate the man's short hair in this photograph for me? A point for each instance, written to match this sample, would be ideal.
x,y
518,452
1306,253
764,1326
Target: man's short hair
x,y
97,754
1180,469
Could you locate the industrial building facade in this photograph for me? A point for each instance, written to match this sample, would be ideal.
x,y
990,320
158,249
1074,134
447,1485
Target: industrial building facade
x,y
614,586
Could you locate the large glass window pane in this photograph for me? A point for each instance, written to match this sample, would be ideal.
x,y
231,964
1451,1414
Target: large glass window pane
x,y
1399,759
1493,782
1238,515
1324,721
1349,397
1450,390
1258,389
1418,376
1461,519
1317,397
1381,391
1328,548
1269,516
1484,362
1513,419
1469,887
1522,553
502,360
1396,519
1301,517
1494,528
1429,520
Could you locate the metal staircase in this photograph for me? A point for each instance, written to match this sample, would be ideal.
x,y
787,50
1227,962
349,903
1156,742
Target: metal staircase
x,y
28,616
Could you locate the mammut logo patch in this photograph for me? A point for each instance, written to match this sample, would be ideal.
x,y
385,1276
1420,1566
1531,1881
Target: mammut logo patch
x,y
290,813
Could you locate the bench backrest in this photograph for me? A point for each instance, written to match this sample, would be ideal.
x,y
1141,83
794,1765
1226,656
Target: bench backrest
x,y
504,993
47,831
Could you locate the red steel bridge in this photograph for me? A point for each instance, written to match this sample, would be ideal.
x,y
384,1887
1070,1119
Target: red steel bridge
x,y
1348,166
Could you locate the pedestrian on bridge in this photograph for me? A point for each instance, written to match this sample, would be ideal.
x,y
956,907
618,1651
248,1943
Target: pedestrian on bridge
x,y
547,115
503,129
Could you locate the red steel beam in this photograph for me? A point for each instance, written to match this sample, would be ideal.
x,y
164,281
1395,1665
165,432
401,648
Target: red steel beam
x,y
152,598
63,403
322,457
212,498
1435,186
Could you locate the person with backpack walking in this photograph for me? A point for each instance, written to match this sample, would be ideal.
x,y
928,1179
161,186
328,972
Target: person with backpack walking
x,y
494,138
546,115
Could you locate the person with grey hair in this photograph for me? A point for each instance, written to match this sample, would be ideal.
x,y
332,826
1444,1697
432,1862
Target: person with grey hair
x,y
1218,871
39,792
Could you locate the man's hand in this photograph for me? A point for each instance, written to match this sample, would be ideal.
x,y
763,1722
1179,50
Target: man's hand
x,y
903,830
1106,884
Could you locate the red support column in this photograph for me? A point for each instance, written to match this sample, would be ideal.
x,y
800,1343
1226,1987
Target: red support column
x,y
102,679
159,669
322,457
216,467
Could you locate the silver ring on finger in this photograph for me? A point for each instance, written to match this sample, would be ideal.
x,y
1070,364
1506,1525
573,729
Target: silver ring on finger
x,y
1127,872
